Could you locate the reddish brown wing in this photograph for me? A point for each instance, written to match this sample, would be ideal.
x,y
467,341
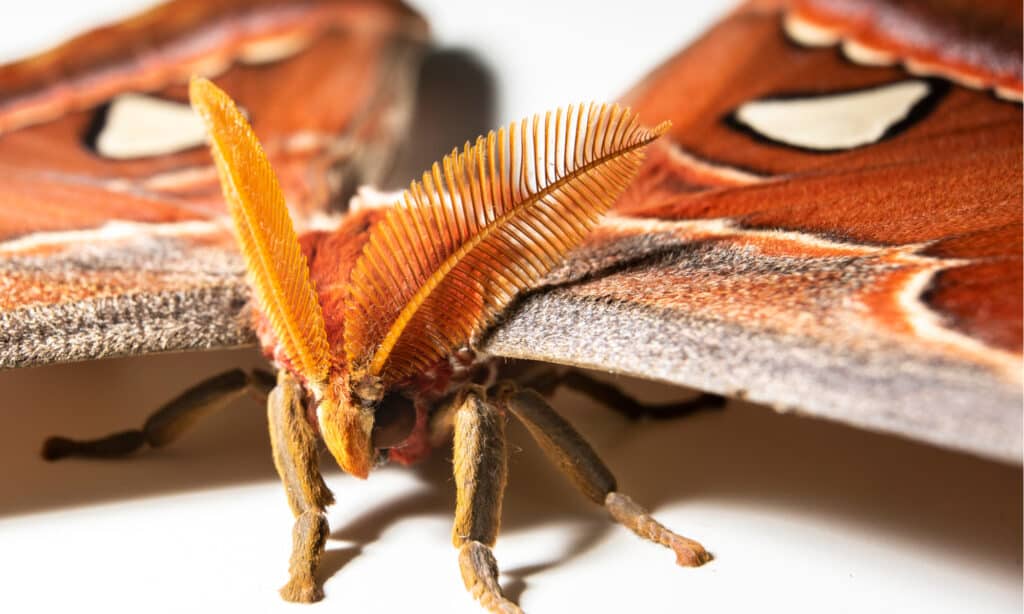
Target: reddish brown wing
x,y
870,274
112,231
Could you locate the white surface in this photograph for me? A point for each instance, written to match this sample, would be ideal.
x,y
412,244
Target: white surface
x,y
802,516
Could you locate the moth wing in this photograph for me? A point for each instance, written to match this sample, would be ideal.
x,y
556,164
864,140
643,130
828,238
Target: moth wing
x,y
114,238
835,233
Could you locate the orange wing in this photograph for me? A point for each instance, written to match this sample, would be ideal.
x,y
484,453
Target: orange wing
x,y
819,232
108,248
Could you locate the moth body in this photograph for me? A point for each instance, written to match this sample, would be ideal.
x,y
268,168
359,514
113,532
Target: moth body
x,y
371,326
836,236
390,296
401,414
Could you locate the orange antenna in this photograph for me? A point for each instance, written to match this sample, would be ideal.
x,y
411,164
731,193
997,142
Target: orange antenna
x,y
480,227
277,269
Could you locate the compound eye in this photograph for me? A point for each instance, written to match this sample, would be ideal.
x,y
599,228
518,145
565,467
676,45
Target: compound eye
x,y
393,421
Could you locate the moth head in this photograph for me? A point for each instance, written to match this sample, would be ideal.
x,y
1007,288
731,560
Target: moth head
x,y
357,422
346,424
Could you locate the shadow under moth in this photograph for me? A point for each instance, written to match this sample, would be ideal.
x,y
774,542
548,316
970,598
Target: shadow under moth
x,y
829,223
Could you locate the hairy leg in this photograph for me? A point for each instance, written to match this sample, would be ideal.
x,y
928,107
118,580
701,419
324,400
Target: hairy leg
x,y
295,456
480,473
574,456
546,380
167,423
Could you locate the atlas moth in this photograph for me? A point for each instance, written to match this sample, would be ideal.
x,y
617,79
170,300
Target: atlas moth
x,y
866,274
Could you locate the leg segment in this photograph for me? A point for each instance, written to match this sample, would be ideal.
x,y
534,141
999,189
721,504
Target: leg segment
x,y
549,380
166,424
480,472
295,456
574,456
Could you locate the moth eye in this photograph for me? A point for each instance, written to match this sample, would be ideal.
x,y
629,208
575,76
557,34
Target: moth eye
x,y
393,421
837,121
138,126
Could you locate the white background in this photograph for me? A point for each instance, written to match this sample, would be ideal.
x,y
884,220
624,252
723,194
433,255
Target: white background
x,y
802,515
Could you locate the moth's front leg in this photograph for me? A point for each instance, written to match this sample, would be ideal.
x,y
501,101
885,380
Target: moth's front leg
x,y
480,473
295,455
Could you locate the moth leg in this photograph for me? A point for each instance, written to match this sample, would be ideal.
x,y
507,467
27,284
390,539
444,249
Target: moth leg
x,y
480,473
169,422
294,445
574,456
611,397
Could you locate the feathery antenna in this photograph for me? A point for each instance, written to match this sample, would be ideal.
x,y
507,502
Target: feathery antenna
x,y
277,269
483,225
